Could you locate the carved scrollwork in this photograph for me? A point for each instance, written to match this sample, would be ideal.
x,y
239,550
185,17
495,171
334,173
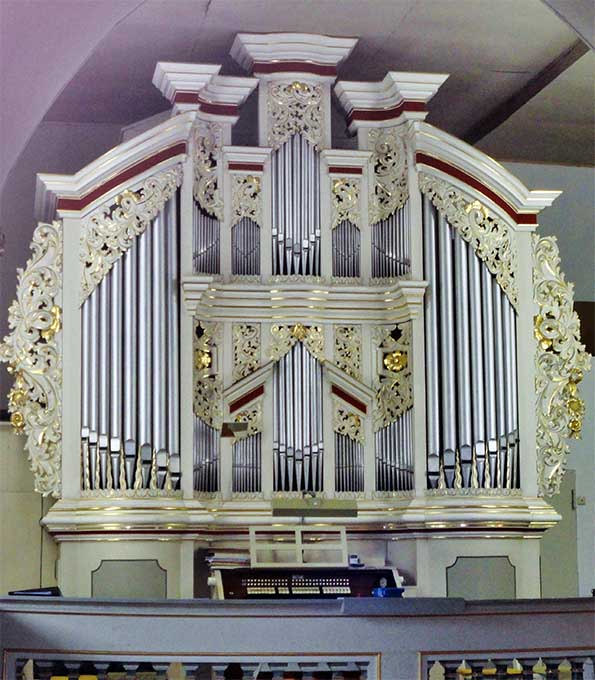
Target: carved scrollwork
x,y
345,201
246,198
283,338
207,142
389,190
208,386
347,423
246,349
560,362
394,393
347,354
33,353
111,229
490,238
294,108
253,416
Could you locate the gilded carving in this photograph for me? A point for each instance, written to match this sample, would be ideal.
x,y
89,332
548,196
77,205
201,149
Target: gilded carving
x,y
490,238
347,354
347,422
33,353
389,190
283,338
560,362
394,393
294,108
251,415
208,387
246,198
246,349
207,142
345,201
111,229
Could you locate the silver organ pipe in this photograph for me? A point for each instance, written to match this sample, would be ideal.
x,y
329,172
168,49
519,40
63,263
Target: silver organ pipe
x,y
246,460
394,455
471,371
206,457
349,464
346,250
206,237
130,374
298,447
295,169
245,248
391,245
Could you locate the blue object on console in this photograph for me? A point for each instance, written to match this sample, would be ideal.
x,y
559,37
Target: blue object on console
x,y
388,592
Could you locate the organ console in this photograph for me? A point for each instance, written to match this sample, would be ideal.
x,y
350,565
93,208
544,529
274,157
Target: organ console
x,y
204,329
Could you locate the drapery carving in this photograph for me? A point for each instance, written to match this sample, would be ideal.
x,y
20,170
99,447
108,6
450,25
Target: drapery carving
x,y
283,338
347,354
347,422
32,351
208,386
206,152
345,201
394,394
388,190
491,238
111,229
246,349
560,362
246,198
294,108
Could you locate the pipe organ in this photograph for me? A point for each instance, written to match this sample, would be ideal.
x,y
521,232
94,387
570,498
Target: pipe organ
x,y
208,333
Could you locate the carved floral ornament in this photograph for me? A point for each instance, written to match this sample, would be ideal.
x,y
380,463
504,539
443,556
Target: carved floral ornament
x,y
394,392
111,229
283,338
294,108
246,349
206,153
246,198
560,364
33,353
347,422
208,386
347,351
389,190
491,238
252,415
345,201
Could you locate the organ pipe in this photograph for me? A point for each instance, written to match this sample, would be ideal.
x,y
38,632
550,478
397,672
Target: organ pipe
x,y
346,250
245,248
246,477
206,238
394,455
391,245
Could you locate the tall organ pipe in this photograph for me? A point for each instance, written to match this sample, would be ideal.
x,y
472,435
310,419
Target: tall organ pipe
x,y
477,368
390,245
116,371
245,248
205,242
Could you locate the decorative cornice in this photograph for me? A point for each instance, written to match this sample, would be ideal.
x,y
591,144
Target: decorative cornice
x,y
560,364
173,78
111,230
33,353
491,238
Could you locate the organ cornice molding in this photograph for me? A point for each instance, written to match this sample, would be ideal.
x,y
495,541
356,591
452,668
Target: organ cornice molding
x,y
174,79
157,149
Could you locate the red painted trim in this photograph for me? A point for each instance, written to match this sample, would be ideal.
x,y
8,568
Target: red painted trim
x,y
299,66
338,169
185,98
249,396
254,167
218,109
79,203
385,114
359,405
519,218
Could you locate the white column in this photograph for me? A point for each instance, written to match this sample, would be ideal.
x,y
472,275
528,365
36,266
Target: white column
x,y
267,417
365,228
266,257
368,372
226,372
326,237
327,428
71,353
225,226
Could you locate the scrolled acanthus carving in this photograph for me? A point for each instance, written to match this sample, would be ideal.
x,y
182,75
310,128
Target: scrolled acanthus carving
x,y
111,229
345,201
394,392
347,350
208,386
560,362
246,198
252,415
283,338
206,153
347,422
294,108
389,189
246,349
490,237
33,353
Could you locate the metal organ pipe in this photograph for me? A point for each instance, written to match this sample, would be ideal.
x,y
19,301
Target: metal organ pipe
x,y
346,250
471,372
245,248
205,242
130,379
390,245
